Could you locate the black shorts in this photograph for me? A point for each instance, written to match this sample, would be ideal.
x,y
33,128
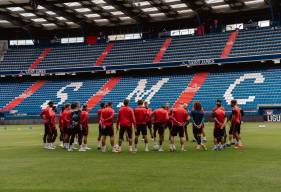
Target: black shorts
x,y
85,131
177,130
160,127
53,131
185,125
219,133
197,131
67,130
75,130
149,125
46,128
170,125
107,131
141,129
100,128
123,130
236,128
61,130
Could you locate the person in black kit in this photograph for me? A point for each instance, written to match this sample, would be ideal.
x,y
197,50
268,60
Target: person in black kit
x,y
75,126
197,119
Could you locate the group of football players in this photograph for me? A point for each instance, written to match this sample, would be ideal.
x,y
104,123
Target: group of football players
x,y
133,123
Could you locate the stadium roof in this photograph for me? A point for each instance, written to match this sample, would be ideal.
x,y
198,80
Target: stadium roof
x,y
48,15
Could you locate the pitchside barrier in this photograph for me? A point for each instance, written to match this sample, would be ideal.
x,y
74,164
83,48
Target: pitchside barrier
x,y
270,113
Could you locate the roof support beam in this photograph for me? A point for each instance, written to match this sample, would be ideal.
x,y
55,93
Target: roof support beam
x,y
235,4
46,16
99,10
130,10
18,20
68,13
164,7
199,6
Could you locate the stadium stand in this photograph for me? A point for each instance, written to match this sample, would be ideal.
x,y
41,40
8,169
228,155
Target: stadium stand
x,y
261,41
250,88
135,52
20,58
257,42
185,48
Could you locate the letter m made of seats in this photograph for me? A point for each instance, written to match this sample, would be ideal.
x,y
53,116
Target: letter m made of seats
x,y
140,91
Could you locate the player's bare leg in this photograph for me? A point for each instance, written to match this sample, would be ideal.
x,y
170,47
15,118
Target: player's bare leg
x,y
61,138
151,133
146,143
155,143
204,138
99,140
103,141
186,133
54,137
136,143
223,141
66,140
238,139
182,142
231,140
161,140
85,142
172,144
114,148
130,144
80,142
120,142
215,144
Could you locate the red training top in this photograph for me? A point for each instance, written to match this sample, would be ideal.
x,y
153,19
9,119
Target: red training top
x,y
148,117
219,113
99,112
141,114
236,115
126,117
107,116
66,115
45,115
160,116
61,121
179,116
84,118
52,119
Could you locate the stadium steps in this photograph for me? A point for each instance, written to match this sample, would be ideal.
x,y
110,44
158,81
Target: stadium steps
x,y
40,58
229,45
104,54
162,51
27,93
104,90
192,88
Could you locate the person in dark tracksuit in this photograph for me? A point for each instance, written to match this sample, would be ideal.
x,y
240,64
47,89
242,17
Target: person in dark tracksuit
x,y
75,126
197,119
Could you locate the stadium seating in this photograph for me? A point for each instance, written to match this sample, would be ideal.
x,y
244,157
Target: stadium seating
x,y
185,48
133,52
20,58
249,87
72,56
257,42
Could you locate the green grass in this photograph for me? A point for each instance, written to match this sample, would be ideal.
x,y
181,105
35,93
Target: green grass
x,y
25,166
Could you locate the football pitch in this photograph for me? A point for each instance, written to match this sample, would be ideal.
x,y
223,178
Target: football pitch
x,y
26,166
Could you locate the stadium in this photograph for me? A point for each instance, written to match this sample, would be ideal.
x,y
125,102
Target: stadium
x,y
140,95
